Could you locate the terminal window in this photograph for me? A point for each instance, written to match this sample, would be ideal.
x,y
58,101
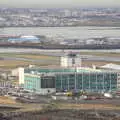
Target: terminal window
x,y
48,82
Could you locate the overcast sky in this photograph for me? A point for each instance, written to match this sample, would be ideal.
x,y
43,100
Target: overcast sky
x,y
59,3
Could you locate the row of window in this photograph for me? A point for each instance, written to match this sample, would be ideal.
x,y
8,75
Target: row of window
x,y
87,81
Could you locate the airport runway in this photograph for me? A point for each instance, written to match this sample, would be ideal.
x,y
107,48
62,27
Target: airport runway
x,y
30,50
55,53
83,57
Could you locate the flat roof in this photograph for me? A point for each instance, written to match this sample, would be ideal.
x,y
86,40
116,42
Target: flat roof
x,y
64,70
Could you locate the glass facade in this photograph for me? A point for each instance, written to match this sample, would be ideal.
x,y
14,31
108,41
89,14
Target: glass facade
x,y
87,81
32,82
69,79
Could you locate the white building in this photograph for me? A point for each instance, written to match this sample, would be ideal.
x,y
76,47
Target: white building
x,y
111,66
70,60
30,38
19,72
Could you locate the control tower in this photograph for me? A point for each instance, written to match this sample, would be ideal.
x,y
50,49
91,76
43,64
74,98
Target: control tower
x,y
70,60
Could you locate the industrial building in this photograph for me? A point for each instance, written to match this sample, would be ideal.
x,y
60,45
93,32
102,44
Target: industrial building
x,y
69,76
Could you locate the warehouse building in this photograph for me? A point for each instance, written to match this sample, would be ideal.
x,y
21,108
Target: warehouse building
x,y
49,80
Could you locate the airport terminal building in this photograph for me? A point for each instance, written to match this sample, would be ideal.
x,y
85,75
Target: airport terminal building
x,y
69,76
49,80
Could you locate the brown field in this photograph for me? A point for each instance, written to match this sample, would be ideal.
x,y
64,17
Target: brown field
x,y
6,100
12,63
9,64
51,60
36,57
111,54
16,63
86,63
36,107
89,106
32,56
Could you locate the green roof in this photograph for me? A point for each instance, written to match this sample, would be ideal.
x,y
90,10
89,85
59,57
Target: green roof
x,y
55,70
65,70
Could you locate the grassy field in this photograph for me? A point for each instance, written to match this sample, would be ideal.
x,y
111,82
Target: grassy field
x,y
5,64
45,60
89,63
17,63
37,57
31,56
108,54
12,63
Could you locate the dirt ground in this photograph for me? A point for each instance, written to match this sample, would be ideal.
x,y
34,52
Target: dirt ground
x,y
65,115
6,100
